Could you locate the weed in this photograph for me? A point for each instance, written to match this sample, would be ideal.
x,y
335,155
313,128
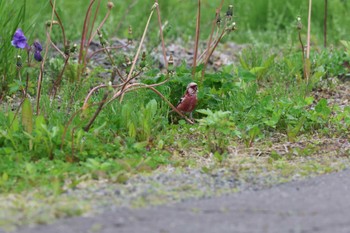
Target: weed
x,y
216,127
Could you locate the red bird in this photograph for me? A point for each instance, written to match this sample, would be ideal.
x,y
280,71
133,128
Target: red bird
x,y
189,101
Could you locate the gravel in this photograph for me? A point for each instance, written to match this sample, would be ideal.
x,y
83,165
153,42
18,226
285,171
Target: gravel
x,y
318,205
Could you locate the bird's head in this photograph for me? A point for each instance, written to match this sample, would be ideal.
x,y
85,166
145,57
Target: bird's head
x,y
192,88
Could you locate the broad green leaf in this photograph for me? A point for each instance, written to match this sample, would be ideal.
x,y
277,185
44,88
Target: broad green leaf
x,y
246,75
253,132
5,176
13,122
27,116
256,70
152,107
309,100
322,107
39,121
132,130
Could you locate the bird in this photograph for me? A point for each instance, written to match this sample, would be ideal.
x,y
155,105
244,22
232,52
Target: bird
x,y
189,101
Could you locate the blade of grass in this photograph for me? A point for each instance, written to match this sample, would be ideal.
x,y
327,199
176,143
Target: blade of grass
x,y
325,23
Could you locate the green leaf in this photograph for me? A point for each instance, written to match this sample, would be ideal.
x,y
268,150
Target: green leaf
x,y
132,130
292,132
246,75
5,176
140,145
39,122
151,107
322,108
257,70
253,132
205,111
13,122
27,116
309,100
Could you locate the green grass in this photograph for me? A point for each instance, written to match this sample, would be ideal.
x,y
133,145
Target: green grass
x,y
268,21
259,102
10,19
136,136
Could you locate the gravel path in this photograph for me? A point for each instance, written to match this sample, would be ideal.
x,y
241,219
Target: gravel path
x,y
320,204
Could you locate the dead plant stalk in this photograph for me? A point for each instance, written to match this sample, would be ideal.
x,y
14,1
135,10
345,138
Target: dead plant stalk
x,y
42,65
196,39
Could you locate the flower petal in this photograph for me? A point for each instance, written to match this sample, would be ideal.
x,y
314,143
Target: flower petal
x,y
37,46
19,40
37,56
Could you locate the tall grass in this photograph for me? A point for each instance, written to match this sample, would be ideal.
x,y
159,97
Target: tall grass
x,y
10,19
267,21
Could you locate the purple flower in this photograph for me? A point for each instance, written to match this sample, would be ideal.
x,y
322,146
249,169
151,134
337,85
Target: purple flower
x,y
37,49
37,56
19,40
37,46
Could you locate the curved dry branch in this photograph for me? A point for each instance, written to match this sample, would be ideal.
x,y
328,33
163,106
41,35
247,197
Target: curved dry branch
x,y
59,22
95,89
103,49
136,86
83,36
100,26
93,23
